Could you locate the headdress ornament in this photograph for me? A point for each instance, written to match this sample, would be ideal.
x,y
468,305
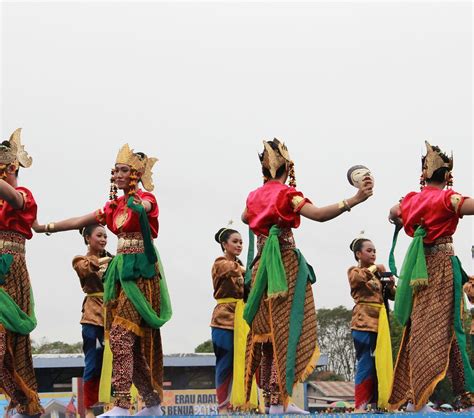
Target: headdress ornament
x,y
142,165
273,159
434,161
15,153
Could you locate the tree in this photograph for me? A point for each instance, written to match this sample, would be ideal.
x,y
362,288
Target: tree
x,y
335,340
56,347
205,347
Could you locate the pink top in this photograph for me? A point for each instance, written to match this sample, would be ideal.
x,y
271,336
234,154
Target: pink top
x,y
433,209
274,204
19,220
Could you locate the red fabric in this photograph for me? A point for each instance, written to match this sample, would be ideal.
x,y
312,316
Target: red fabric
x,y
91,392
271,205
132,224
364,392
431,208
19,220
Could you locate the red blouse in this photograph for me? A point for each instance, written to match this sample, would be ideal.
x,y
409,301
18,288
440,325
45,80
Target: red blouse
x,y
274,204
19,220
123,219
435,209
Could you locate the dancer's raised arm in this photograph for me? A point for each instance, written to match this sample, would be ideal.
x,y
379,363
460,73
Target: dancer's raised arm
x,y
326,213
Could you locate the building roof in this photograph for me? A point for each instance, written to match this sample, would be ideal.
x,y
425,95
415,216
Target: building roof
x,y
330,389
54,361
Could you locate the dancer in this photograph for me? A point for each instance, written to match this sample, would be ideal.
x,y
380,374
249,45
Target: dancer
x,y
90,269
135,293
371,288
469,290
17,317
280,308
429,292
229,330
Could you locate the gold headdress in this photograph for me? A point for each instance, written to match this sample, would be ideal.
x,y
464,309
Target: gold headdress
x,y
15,153
142,165
433,161
273,159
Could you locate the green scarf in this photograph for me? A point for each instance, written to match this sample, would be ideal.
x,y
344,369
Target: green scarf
x,y
126,268
413,274
271,276
250,257
460,277
11,316
305,274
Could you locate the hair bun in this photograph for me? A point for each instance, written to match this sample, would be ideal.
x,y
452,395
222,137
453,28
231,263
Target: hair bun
x,y
219,235
351,246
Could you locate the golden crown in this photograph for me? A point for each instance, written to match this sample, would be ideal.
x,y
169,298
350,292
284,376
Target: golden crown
x,y
273,159
142,165
434,161
15,152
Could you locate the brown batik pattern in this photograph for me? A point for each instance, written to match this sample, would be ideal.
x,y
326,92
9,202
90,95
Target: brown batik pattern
x,y
429,348
130,366
121,312
271,324
17,377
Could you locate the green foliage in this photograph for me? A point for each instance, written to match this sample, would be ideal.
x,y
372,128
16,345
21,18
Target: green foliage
x,y
205,347
56,347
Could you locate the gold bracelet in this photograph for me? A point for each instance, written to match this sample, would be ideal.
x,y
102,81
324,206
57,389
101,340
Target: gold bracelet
x,y
49,228
344,206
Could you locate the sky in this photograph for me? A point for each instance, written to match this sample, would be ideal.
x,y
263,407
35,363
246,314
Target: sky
x,y
200,85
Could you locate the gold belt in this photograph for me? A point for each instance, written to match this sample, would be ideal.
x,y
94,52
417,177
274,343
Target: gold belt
x,y
446,247
12,246
125,244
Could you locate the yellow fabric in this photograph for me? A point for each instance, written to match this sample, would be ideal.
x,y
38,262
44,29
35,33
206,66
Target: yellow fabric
x,y
106,375
105,385
241,330
383,357
96,294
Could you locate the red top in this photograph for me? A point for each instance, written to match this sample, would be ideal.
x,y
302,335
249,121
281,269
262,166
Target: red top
x,y
432,208
123,219
274,204
19,220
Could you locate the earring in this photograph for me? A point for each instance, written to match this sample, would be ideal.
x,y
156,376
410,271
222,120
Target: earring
x,y
422,182
449,180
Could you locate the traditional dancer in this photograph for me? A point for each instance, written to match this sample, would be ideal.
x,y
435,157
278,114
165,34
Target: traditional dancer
x,y
429,292
90,269
469,290
17,318
228,281
280,308
229,330
135,293
371,288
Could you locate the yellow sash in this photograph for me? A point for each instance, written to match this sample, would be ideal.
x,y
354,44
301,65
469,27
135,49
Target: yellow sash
x,y
383,356
241,330
96,294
